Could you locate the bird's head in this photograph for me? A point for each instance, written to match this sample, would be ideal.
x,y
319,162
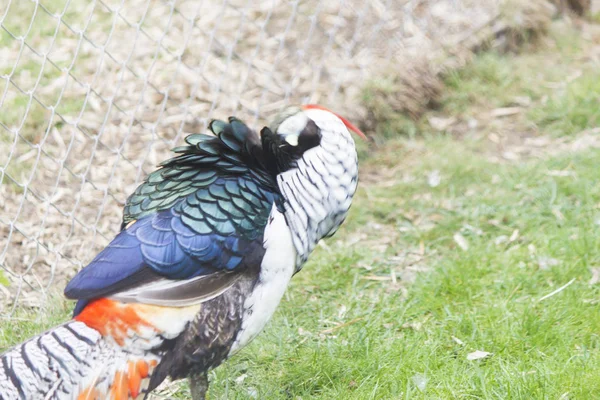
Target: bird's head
x,y
314,158
298,129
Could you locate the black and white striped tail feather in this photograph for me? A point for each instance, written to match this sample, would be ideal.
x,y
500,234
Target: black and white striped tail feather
x,y
48,366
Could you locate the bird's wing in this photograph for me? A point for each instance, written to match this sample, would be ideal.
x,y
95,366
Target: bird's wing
x,y
181,292
190,229
233,151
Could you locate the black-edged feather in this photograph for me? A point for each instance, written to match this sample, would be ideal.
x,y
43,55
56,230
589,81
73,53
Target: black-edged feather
x,y
195,222
234,152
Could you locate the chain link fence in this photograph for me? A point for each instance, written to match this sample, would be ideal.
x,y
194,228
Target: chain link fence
x,y
94,93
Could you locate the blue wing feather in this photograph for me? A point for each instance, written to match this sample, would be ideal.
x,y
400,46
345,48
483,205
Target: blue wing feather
x,y
203,212
163,243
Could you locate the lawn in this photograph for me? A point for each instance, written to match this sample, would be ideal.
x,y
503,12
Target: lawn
x,y
470,265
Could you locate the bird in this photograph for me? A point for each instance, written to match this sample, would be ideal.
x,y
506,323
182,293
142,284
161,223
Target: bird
x,y
208,244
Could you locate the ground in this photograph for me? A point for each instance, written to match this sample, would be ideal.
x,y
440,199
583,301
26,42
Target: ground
x,y
469,266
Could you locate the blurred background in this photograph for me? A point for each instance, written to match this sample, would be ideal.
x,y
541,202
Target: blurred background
x,y
95,93
461,100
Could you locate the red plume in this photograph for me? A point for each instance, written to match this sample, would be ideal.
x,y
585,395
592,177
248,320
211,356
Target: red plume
x,y
344,120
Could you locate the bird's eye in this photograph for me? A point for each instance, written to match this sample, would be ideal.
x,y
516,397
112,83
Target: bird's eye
x,y
297,134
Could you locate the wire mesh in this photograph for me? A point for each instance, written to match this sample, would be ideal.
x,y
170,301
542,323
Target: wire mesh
x,y
93,93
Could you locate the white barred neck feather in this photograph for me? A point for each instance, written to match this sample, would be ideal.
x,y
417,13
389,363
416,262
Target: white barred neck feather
x,y
319,189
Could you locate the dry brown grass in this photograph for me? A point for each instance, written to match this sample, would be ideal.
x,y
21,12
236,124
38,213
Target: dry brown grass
x,y
412,86
523,22
579,7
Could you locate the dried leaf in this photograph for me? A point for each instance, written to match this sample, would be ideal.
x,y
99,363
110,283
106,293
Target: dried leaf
x,y
560,173
303,332
478,355
559,215
523,101
412,325
501,240
339,326
505,111
461,241
252,393
458,341
473,229
494,138
420,381
434,178
441,124
510,156
547,262
378,278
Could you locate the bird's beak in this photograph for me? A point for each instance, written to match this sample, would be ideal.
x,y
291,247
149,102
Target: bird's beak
x,y
348,124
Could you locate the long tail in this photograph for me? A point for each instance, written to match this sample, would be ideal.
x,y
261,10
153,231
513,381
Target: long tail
x,y
99,355
50,363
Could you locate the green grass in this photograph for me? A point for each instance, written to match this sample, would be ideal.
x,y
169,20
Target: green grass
x,y
3,280
488,296
347,330
28,323
573,109
564,97
375,95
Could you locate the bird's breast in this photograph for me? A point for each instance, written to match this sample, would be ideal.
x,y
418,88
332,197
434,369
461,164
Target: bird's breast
x,y
276,270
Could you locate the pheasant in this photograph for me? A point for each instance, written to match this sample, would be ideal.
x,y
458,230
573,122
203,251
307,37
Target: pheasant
x,y
208,245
